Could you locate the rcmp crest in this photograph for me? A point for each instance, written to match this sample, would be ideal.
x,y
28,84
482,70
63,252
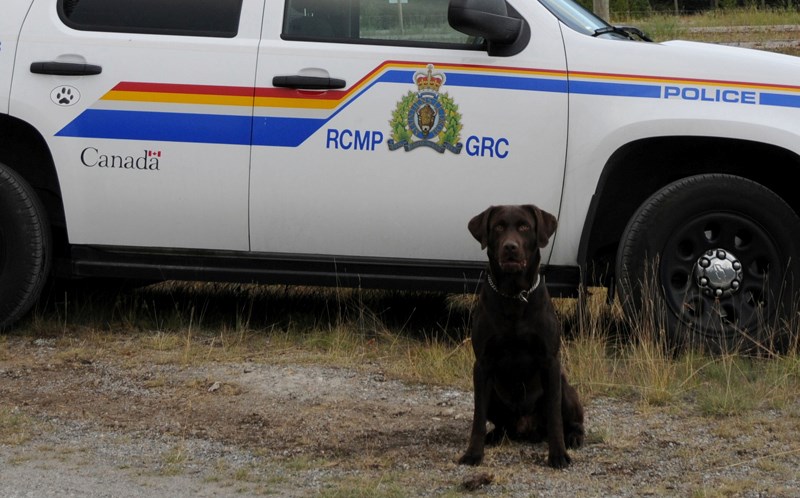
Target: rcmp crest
x,y
427,117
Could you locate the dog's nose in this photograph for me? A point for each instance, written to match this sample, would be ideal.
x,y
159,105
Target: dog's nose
x,y
511,246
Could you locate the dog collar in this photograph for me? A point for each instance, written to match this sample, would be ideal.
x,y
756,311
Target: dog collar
x,y
522,296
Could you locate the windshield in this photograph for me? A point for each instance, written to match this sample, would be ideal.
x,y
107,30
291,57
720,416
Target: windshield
x,y
575,16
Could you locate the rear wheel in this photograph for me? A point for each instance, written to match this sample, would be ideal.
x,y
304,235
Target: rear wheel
x,y
720,253
24,246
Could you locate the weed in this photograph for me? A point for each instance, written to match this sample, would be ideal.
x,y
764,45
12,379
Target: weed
x,y
174,460
384,486
408,336
15,427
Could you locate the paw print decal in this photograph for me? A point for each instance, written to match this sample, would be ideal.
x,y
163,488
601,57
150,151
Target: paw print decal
x,y
65,95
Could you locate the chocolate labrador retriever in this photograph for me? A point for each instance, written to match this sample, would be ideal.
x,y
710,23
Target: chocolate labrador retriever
x,y
520,385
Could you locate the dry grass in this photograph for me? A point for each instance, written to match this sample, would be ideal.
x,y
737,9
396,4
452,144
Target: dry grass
x,y
640,366
174,460
774,30
409,336
414,337
15,427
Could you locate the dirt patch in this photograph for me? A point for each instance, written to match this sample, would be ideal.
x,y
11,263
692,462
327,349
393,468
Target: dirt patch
x,y
109,426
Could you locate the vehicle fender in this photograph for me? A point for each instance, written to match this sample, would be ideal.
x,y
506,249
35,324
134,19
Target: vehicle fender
x,y
14,12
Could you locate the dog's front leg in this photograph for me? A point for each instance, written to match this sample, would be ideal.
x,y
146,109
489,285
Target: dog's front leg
x,y
557,457
482,389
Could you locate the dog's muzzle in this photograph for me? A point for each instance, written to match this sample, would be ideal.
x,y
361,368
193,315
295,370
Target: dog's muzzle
x,y
512,258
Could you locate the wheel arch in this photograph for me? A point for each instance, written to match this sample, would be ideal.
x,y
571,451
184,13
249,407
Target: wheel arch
x,y
640,168
24,149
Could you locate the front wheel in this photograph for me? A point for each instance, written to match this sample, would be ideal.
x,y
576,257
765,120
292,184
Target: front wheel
x,y
720,253
24,246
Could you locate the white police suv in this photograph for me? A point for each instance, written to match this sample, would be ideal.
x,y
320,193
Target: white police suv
x,y
348,142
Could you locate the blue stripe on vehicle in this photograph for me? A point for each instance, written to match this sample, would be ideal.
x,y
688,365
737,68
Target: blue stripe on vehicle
x,y
615,89
394,76
481,81
160,126
780,100
507,82
284,132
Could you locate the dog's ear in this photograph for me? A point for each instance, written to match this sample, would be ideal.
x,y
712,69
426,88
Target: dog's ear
x,y
479,226
546,224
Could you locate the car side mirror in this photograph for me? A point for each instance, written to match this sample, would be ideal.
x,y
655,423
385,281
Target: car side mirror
x,y
505,35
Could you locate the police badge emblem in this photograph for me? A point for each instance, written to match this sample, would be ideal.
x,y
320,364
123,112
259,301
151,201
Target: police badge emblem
x,y
427,117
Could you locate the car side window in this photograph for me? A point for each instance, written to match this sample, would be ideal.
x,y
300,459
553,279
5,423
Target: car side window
x,y
380,22
213,18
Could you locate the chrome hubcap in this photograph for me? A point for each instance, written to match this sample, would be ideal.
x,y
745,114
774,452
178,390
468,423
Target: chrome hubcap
x,y
718,273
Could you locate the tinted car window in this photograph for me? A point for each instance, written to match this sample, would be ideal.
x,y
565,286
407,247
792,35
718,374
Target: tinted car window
x,y
393,22
219,18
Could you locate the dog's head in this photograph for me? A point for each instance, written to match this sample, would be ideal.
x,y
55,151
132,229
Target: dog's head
x,y
513,236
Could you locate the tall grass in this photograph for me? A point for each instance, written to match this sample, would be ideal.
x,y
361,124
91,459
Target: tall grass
x,y
416,337
639,366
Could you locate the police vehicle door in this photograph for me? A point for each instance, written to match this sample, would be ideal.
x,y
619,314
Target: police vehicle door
x,y
146,107
379,130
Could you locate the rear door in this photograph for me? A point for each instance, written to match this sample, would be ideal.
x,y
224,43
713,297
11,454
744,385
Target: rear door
x,y
379,130
146,106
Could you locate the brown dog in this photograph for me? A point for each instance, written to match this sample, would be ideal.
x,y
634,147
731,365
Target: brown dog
x,y
519,382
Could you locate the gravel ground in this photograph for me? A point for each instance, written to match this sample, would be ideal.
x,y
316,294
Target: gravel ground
x,y
110,426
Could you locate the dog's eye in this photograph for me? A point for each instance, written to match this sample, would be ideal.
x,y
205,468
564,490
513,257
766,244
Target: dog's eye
x,y
499,228
524,228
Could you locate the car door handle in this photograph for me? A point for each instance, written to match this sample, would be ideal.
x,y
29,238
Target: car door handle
x,y
65,68
308,82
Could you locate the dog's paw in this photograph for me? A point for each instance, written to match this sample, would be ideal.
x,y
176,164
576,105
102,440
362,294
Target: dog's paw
x,y
574,438
494,437
471,459
559,460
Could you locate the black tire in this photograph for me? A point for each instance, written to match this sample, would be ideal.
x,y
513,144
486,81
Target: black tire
x,y
740,229
24,247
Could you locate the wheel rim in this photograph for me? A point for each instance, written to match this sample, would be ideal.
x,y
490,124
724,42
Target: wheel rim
x,y
719,273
